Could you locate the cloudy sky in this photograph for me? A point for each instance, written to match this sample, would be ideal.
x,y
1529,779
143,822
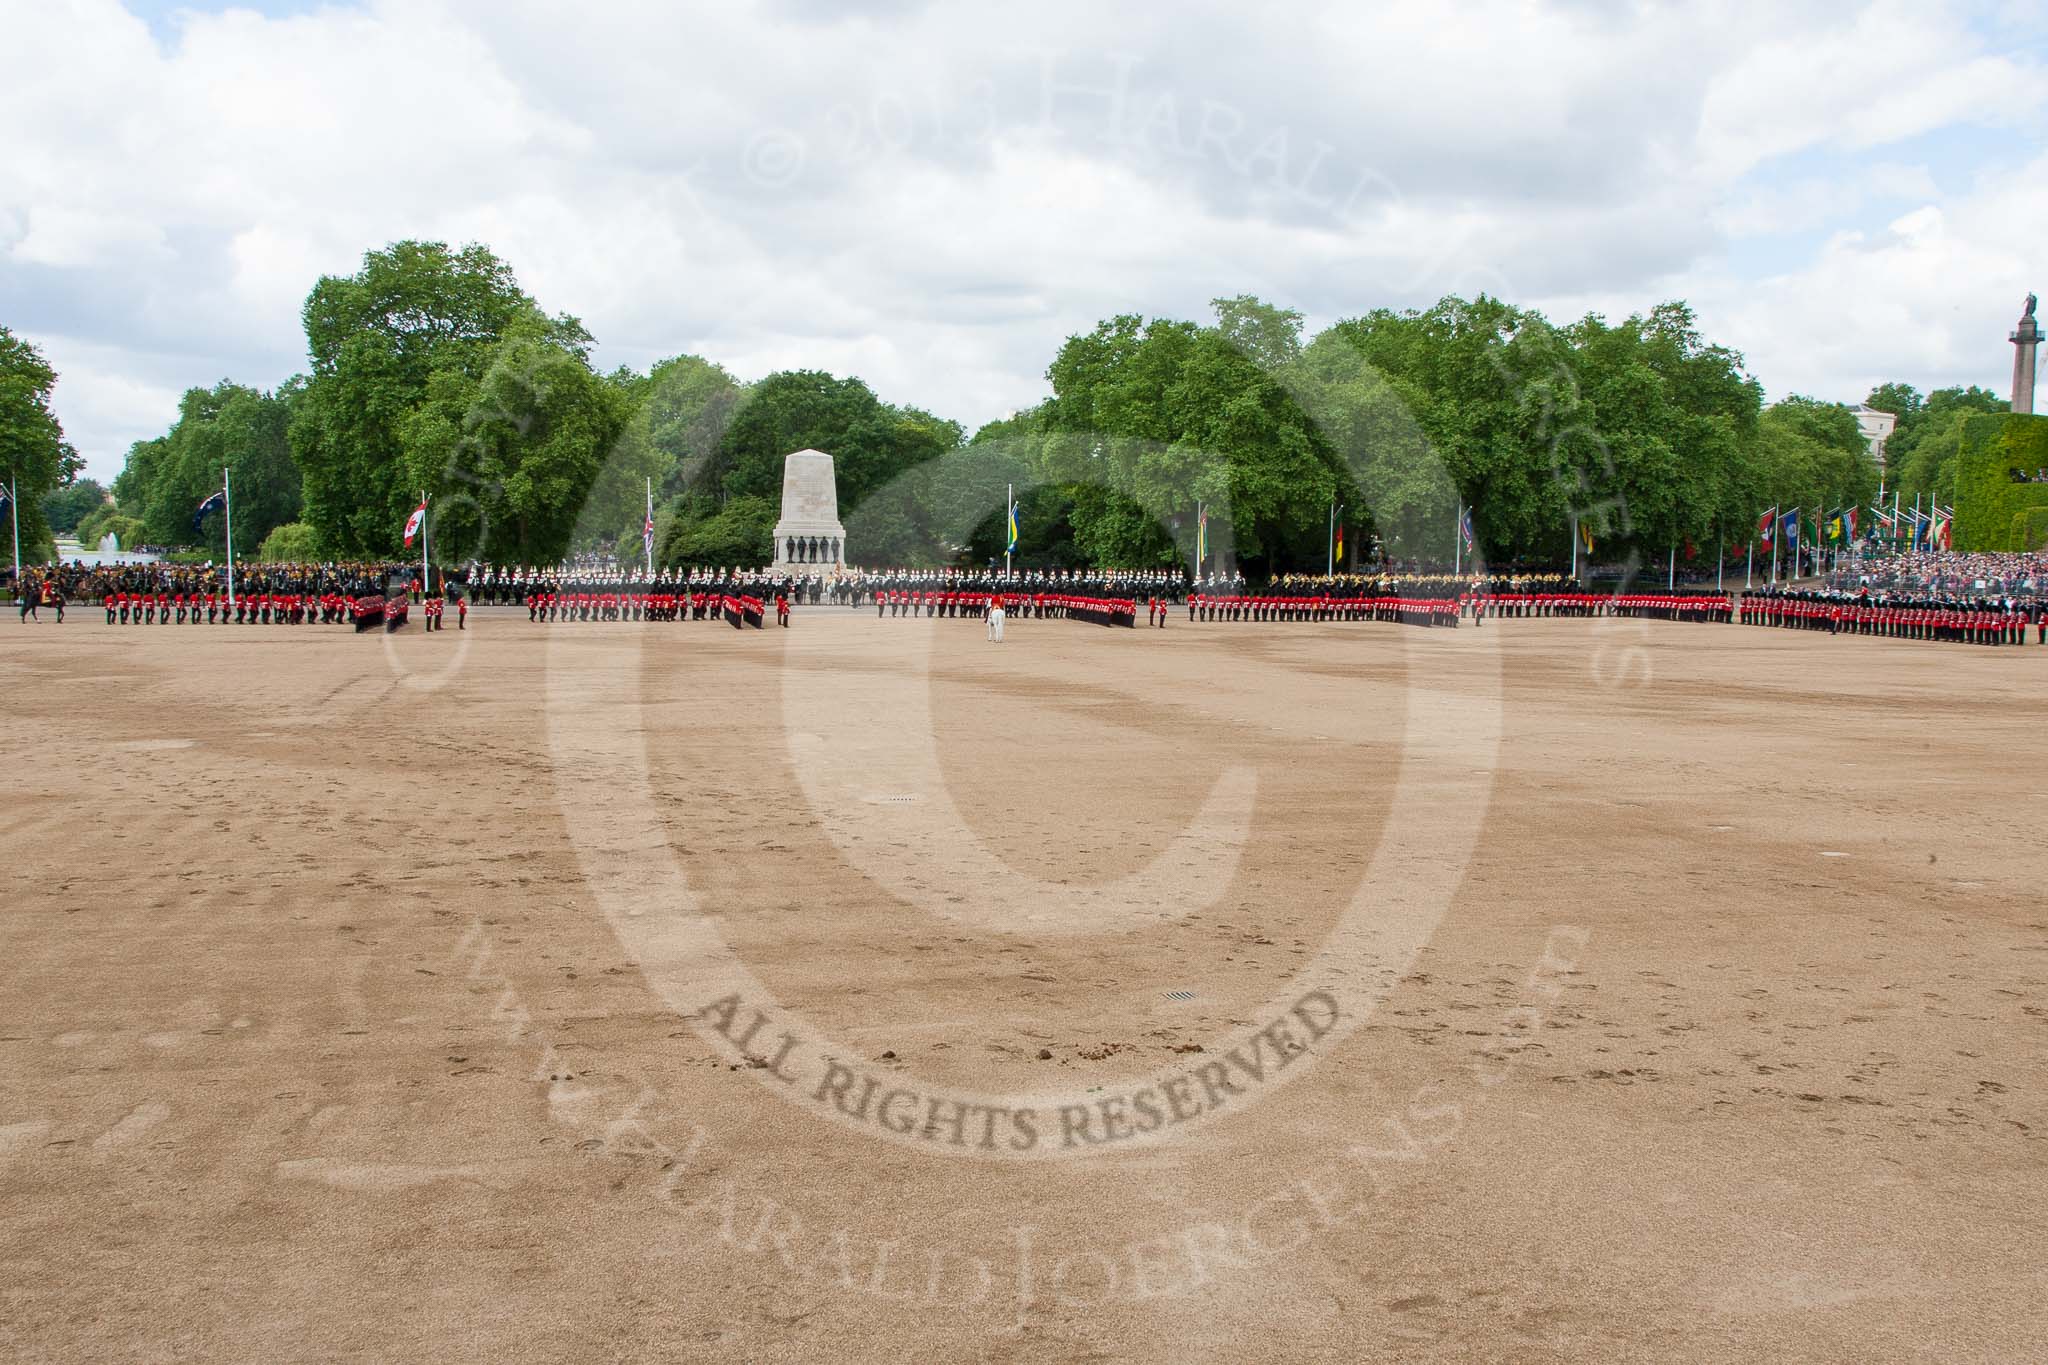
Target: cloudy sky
x,y
933,196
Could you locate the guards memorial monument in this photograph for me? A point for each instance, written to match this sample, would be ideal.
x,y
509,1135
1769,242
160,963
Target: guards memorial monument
x,y
808,538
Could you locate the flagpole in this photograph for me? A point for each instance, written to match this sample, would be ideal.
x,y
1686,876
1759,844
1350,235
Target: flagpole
x,y
1458,541
227,497
423,545
14,514
1575,549
1009,519
649,537
1330,544
1671,571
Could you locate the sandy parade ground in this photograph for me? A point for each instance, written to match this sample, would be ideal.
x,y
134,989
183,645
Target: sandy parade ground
x,y
1549,991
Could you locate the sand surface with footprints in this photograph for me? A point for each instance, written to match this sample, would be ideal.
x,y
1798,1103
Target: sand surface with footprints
x,y
331,1026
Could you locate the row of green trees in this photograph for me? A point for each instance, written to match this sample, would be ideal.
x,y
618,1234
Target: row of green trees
x,y
1921,453
432,372
1640,437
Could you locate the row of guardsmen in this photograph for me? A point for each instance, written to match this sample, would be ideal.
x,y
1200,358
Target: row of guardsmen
x,y
1438,601
491,585
963,605
247,609
1978,621
867,587
1415,609
735,608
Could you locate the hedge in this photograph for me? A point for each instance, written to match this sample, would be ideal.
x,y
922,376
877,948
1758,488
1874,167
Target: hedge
x,y
1989,504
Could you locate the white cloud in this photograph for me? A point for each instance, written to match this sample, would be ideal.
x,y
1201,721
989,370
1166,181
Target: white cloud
x,y
933,196
106,397
1930,299
1814,202
1859,79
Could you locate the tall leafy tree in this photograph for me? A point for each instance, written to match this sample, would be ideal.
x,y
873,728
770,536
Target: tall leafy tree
x,y
417,313
1149,419
1920,455
1470,402
871,442
1902,401
1814,457
687,403
37,459
1672,414
510,456
71,504
228,427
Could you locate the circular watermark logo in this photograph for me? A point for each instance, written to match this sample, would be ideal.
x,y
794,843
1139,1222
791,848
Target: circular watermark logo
x,y
872,777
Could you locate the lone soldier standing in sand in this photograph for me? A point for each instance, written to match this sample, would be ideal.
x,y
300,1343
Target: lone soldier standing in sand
x,y
995,618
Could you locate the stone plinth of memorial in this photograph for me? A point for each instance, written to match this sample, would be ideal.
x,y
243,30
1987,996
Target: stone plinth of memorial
x,y
808,538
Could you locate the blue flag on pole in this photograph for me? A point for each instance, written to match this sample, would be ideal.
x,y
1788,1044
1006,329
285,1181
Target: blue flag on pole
x,y
218,502
1788,526
1010,546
